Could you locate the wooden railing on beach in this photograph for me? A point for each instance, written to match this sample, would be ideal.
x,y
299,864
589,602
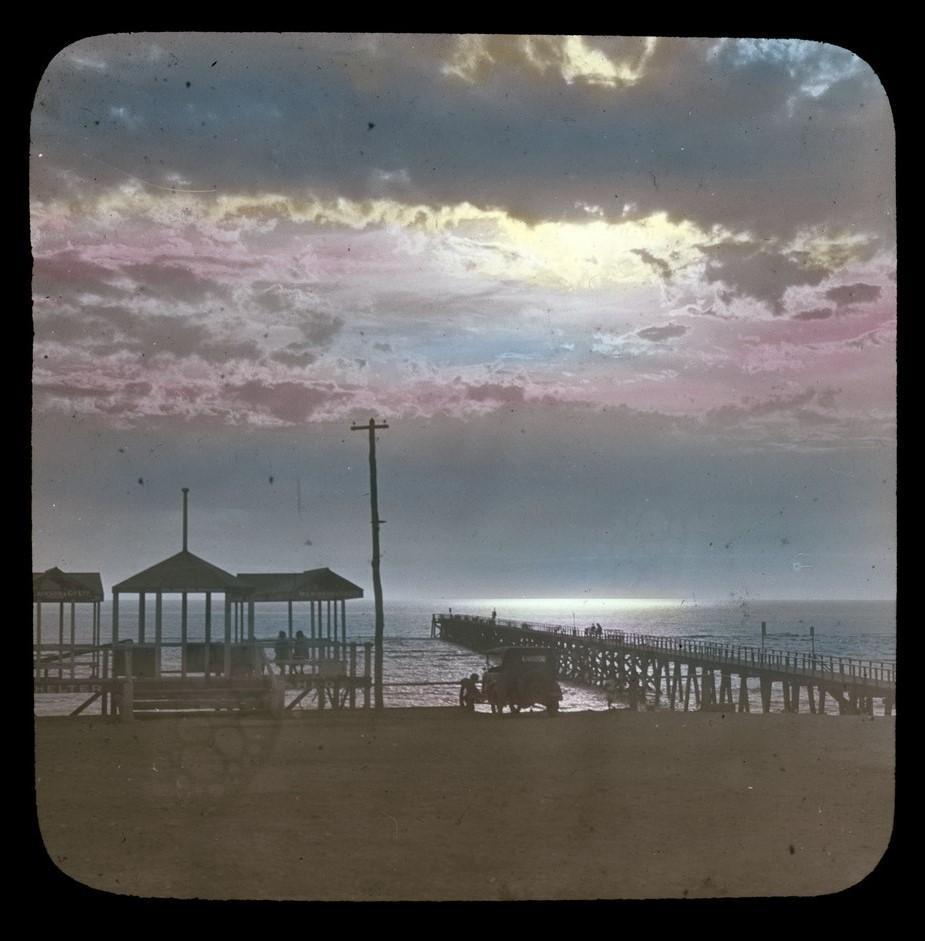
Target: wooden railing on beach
x,y
129,677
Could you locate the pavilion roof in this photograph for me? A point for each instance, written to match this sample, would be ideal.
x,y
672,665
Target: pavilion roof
x,y
183,572
55,585
311,585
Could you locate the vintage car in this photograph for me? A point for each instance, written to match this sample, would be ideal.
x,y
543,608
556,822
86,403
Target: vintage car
x,y
525,677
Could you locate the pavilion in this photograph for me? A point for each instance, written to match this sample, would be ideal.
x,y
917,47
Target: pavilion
x,y
321,588
73,588
184,574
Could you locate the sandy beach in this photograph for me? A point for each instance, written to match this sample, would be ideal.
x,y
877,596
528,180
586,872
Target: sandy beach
x,y
432,804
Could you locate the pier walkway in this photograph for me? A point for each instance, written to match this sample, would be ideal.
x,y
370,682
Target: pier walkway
x,y
654,670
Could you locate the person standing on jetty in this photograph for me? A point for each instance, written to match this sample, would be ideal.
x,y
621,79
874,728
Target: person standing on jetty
x,y
283,652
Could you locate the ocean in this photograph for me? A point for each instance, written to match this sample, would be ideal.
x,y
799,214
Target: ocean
x,y
860,629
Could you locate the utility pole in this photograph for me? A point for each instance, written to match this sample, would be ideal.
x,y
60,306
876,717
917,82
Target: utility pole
x,y
372,428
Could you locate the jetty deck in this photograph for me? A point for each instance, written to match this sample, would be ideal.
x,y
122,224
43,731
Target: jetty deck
x,y
653,670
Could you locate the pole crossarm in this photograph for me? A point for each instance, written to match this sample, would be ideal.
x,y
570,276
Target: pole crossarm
x,y
371,426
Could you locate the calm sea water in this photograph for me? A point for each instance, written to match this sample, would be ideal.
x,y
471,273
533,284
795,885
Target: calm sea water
x,y
861,629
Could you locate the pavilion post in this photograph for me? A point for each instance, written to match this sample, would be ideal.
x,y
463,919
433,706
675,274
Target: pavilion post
x,y
38,639
60,639
185,517
73,616
353,675
115,617
311,607
290,620
95,634
106,703
343,618
142,605
208,650
183,612
328,621
127,703
250,620
336,631
158,631
227,665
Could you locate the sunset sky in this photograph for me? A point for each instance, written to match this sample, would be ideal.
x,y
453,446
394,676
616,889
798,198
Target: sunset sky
x,y
628,306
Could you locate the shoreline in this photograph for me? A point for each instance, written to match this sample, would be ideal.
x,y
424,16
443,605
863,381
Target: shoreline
x,y
428,803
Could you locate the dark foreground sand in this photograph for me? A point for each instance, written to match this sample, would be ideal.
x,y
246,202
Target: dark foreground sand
x,y
431,804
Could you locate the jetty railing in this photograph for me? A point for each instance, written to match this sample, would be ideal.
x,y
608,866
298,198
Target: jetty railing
x,y
733,655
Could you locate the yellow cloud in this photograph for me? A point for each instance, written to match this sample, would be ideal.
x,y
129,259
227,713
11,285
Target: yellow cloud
x,y
469,58
583,62
570,56
461,238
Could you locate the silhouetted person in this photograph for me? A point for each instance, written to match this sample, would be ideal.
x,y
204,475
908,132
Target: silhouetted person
x,y
300,651
469,692
283,652
494,614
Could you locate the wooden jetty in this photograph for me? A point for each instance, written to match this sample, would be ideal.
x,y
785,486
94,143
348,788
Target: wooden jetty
x,y
656,671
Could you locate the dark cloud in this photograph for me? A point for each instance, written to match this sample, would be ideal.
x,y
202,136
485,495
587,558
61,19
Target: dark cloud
x,y
751,271
125,391
848,294
295,354
696,311
871,338
73,390
173,282
319,329
110,329
67,273
817,313
212,261
812,416
291,402
784,404
276,297
495,392
666,332
732,137
659,264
